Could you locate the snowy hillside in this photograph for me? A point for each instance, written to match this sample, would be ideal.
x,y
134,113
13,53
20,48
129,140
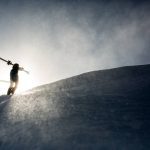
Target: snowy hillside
x,y
100,110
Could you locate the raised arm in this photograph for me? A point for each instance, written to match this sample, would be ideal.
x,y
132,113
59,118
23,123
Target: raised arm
x,y
22,69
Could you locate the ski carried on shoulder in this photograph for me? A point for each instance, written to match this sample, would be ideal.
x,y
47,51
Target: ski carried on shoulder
x,y
10,63
7,61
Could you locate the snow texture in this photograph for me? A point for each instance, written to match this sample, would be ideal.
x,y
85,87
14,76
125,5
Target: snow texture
x,y
100,110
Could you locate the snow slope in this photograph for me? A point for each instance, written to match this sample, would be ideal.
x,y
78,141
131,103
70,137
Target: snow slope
x,y
100,110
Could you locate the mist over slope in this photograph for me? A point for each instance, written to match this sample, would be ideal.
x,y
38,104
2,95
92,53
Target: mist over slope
x,y
100,110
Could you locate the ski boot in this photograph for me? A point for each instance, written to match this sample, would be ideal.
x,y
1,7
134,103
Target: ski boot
x,y
11,91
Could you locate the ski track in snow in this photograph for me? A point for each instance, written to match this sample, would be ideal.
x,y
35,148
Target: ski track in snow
x,y
4,99
3,102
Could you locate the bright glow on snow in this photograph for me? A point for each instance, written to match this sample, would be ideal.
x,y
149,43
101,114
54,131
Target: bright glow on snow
x,y
25,82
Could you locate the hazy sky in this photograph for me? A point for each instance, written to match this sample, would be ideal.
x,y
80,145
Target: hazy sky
x,y
55,39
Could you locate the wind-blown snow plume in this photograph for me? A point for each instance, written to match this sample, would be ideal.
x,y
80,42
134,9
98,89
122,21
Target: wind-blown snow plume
x,y
58,39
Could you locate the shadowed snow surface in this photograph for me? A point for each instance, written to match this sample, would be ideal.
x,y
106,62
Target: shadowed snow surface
x,y
100,110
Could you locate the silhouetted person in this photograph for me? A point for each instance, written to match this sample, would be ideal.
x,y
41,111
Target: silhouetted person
x,y
14,78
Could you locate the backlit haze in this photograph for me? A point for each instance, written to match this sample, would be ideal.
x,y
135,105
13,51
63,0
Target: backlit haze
x,y
59,39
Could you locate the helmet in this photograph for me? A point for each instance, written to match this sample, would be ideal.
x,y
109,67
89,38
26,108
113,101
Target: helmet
x,y
16,66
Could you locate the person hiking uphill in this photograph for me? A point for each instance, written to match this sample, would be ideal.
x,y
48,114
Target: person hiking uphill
x,y
14,78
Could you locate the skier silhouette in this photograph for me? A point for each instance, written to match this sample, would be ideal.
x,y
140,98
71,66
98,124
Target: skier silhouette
x,y
14,78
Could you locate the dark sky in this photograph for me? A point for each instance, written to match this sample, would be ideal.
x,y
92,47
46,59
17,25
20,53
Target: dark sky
x,y
56,39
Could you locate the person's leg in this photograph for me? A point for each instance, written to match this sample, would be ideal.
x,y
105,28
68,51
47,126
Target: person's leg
x,y
11,84
15,87
10,88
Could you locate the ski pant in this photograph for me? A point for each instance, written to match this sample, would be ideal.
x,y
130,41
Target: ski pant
x,y
13,84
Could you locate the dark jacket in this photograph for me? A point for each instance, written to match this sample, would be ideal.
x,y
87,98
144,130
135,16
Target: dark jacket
x,y
14,75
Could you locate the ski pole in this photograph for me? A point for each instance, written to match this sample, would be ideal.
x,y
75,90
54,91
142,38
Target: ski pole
x,y
10,63
4,81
